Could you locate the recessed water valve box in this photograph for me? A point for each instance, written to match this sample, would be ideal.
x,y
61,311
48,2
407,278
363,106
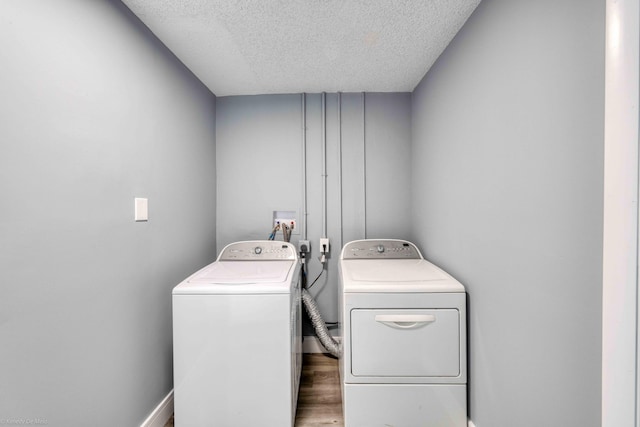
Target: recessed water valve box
x,y
285,217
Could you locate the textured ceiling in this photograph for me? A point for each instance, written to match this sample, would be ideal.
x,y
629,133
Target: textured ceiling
x,y
245,47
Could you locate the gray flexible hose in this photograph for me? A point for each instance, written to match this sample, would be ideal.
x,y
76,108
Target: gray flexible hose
x,y
322,332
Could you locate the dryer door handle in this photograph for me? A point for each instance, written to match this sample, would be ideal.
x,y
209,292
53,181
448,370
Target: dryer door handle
x,y
405,321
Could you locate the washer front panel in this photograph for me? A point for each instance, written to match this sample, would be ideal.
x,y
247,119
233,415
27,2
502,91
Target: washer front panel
x,y
215,369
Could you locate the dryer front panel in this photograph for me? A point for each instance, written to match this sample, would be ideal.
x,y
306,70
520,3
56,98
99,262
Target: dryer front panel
x,y
417,338
405,343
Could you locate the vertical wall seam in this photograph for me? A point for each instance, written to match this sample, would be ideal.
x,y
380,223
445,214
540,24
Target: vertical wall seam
x,y
364,161
324,164
339,113
636,420
303,109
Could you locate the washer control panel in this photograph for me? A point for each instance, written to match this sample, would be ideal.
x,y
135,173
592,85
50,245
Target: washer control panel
x,y
267,250
380,249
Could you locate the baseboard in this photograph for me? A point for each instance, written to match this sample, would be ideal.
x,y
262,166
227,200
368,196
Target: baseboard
x,y
471,424
162,413
311,344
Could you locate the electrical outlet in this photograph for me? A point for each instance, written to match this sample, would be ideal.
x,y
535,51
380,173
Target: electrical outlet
x,y
304,246
290,222
324,245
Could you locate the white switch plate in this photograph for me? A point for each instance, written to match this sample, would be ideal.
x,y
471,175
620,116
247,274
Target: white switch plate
x,y
141,209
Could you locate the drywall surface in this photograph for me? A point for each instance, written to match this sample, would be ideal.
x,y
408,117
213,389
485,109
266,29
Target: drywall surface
x,y
95,112
261,169
507,167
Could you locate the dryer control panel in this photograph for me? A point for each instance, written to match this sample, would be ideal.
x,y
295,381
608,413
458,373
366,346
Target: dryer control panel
x,y
380,249
258,250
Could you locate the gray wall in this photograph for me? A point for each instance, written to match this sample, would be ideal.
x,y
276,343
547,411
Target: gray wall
x,y
504,143
260,170
507,157
94,112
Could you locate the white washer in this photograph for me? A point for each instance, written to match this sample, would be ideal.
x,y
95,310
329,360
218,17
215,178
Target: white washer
x,y
237,345
403,321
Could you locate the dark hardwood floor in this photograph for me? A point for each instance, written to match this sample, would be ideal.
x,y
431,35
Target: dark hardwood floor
x,y
319,399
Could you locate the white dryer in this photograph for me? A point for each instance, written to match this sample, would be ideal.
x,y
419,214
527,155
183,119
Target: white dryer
x,y
237,345
403,322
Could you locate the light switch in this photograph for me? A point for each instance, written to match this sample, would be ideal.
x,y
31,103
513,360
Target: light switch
x,y
141,210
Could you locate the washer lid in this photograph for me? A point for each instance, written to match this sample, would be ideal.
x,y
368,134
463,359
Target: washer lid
x,y
395,275
240,277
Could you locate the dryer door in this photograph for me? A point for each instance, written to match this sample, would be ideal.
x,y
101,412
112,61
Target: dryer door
x,y
405,343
